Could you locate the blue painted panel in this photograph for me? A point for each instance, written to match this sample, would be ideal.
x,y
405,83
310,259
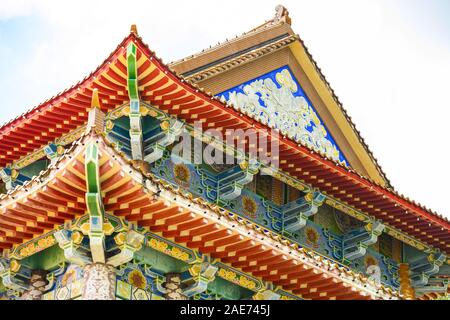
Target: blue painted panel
x,y
277,99
249,205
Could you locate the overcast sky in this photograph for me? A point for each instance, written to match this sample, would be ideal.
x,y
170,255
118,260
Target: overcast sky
x,y
387,60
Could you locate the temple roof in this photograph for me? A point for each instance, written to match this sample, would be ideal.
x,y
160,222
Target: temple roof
x,y
132,193
162,88
253,45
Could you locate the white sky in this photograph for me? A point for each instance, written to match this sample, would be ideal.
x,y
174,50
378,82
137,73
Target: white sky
x,y
387,60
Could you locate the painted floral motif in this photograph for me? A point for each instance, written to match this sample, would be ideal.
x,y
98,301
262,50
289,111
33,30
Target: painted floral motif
x,y
158,245
287,298
37,246
250,206
179,254
246,283
169,250
181,173
280,103
312,236
237,279
137,279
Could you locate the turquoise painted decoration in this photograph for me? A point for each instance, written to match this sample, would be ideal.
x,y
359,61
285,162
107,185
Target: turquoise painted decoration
x,y
277,100
232,181
133,93
13,178
204,183
356,242
14,278
423,267
295,214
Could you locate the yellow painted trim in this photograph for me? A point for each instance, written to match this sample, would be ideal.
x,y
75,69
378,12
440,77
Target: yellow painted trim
x,y
302,57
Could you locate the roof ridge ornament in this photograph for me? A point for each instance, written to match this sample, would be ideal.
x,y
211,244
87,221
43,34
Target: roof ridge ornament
x,y
133,29
282,14
96,117
95,102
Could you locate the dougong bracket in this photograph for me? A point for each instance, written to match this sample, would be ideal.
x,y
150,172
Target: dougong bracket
x,y
129,243
202,274
434,285
5,175
232,181
171,130
12,178
267,293
356,242
14,275
70,242
422,268
296,214
53,151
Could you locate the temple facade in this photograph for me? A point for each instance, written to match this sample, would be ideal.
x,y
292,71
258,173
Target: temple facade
x,y
232,174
